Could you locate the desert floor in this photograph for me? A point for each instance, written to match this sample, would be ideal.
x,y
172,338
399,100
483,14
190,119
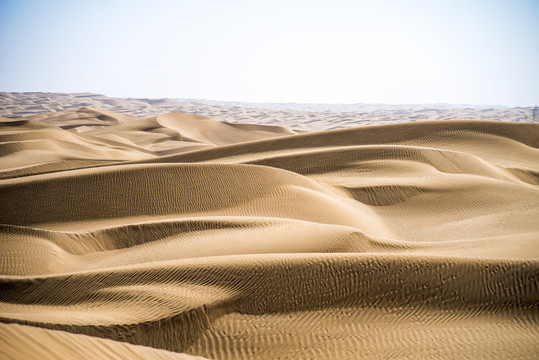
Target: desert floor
x,y
132,231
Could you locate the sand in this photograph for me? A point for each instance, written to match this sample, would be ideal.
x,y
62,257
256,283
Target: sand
x,y
302,117
178,236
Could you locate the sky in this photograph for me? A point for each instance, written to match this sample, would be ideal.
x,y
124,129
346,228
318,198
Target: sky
x,y
337,51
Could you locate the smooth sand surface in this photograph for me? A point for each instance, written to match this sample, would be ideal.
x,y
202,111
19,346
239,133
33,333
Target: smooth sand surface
x,y
177,236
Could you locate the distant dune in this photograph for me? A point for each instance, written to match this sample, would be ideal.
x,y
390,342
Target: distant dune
x,y
179,236
307,117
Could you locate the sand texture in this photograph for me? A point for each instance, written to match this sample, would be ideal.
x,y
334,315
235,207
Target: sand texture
x,y
178,236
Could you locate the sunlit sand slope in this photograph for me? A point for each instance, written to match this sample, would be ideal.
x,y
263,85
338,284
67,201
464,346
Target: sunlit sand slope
x,y
25,342
87,137
178,236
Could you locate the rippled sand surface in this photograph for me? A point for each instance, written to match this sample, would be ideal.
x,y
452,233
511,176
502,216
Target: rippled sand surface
x,y
179,236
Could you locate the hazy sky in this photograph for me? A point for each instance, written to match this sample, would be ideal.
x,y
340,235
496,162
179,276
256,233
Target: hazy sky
x,y
476,52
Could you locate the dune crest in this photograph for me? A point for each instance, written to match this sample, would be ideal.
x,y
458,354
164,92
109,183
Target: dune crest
x,y
178,236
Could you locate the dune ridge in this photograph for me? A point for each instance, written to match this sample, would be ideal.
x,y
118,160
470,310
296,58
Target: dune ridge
x,y
177,236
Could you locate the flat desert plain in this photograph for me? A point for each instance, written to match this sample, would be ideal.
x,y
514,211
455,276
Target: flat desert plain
x,y
183,236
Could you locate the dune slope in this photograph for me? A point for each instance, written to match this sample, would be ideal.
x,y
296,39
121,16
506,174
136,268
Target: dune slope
x,y
178,236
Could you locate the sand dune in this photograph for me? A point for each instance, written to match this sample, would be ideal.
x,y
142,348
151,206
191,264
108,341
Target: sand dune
x,y
176,132
41,144
177,236
310,117
25,342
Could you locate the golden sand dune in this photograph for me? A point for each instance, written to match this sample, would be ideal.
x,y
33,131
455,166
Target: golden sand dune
x,y
29,147
26,342
175,132
41,144
81,119
177,236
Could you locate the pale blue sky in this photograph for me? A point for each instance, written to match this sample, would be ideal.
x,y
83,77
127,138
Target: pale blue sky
x,y
337,51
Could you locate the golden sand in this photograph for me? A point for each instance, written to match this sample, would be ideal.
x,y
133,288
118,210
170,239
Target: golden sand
x,y
178,236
